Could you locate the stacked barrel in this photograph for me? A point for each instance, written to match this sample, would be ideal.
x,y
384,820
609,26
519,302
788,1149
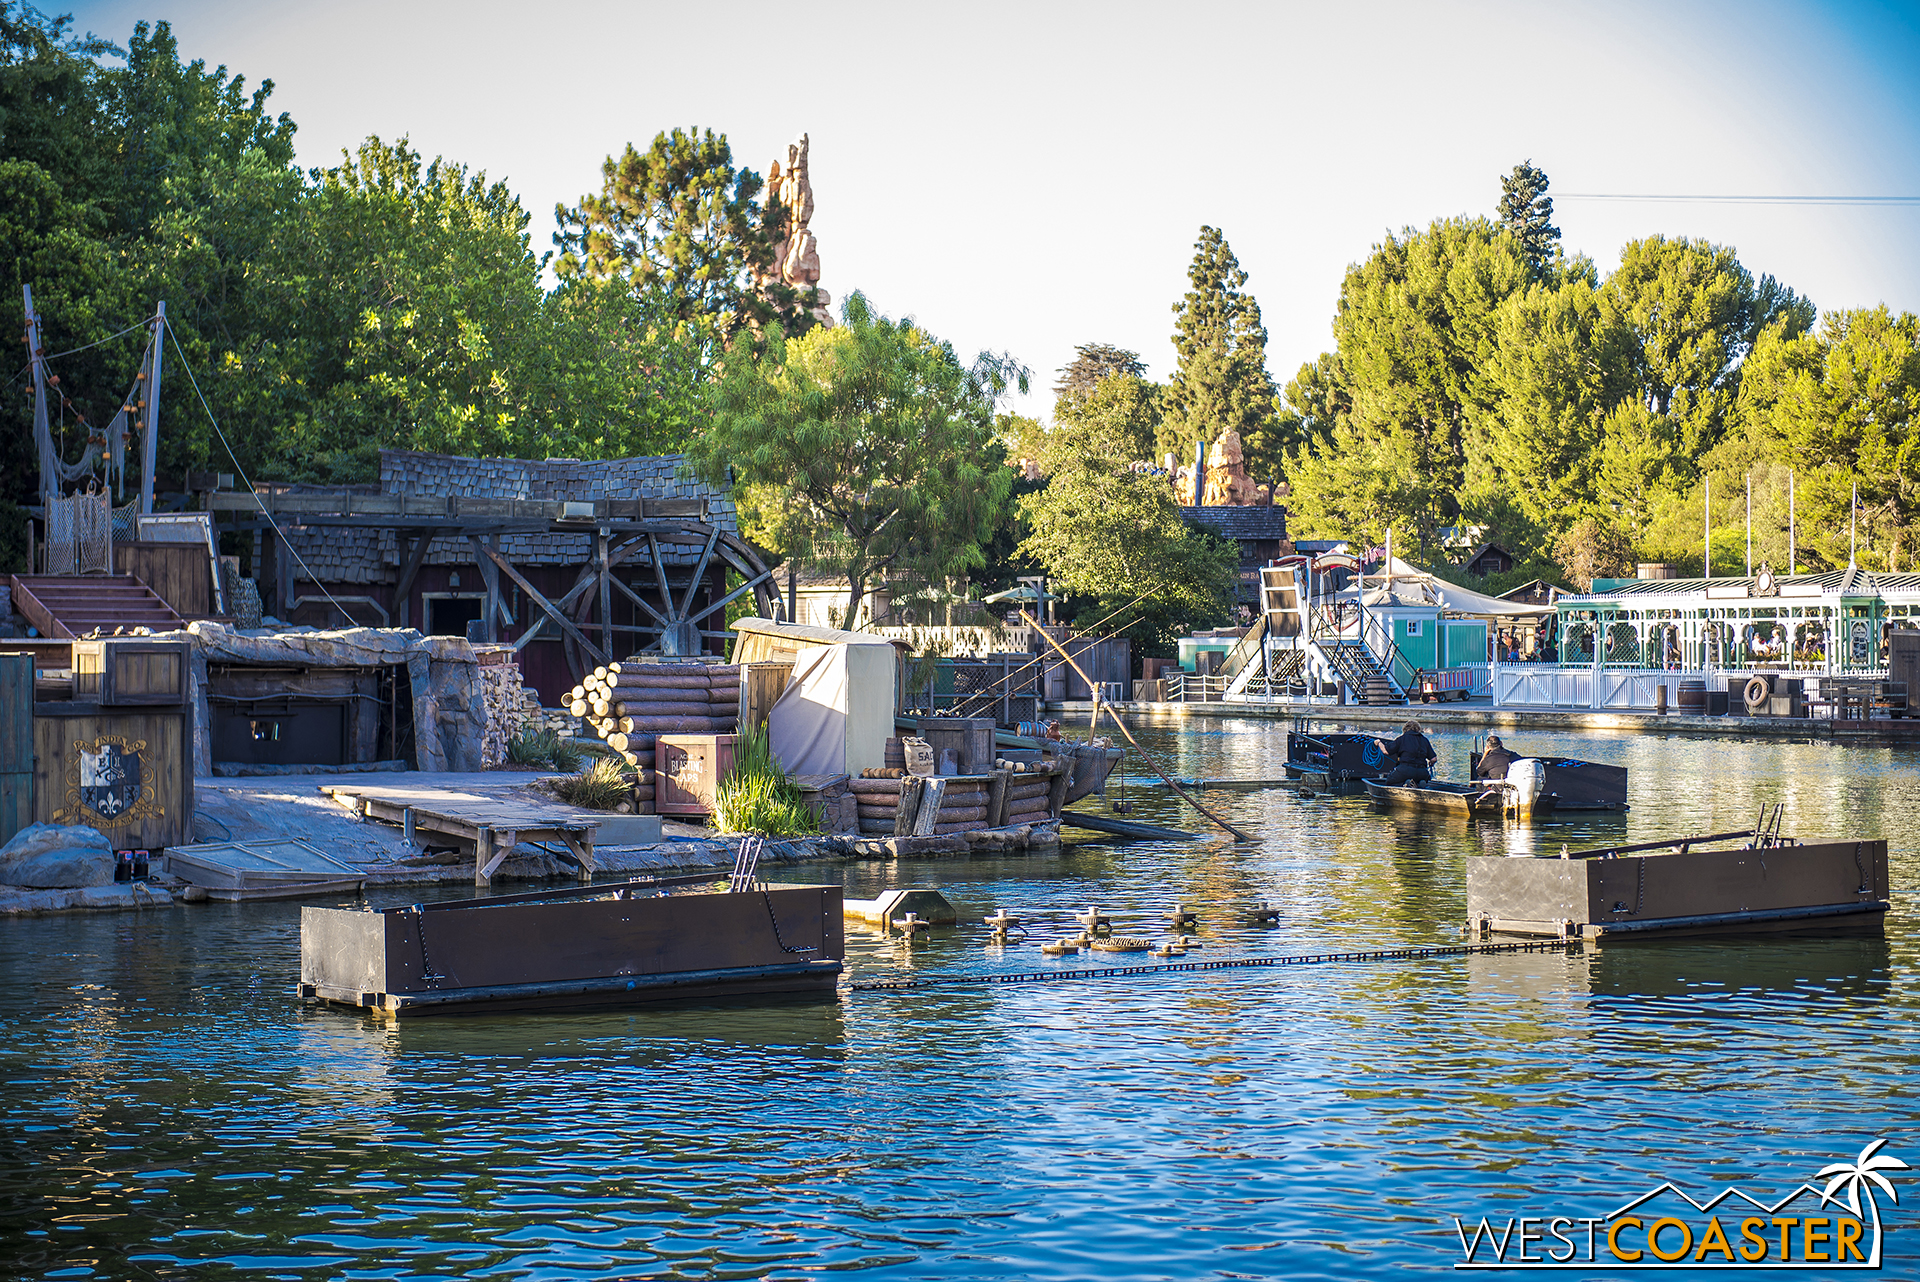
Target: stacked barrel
x,y
631,704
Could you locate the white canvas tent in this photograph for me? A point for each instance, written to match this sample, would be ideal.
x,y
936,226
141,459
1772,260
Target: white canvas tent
x,y
836,714
1401,584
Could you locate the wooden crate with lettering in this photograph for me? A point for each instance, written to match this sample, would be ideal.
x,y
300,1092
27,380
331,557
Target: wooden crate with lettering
x,y
688,769
122,672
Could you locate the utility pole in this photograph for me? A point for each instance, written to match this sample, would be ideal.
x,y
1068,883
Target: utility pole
x,y
1792,564
1853,523
150,445
1749,524
1706,567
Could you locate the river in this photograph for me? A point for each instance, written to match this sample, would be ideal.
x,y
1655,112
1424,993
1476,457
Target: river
x,y
169,1110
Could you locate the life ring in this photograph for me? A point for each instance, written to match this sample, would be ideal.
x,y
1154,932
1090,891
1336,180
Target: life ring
x,y
1756,693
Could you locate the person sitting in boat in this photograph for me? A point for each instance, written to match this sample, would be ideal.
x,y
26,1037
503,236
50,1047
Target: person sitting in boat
x,y
1496,759
1414,757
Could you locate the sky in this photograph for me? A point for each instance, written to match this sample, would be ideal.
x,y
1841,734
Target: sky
x,y
1029,177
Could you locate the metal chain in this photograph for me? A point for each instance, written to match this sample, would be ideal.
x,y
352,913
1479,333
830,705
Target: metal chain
x,y
1237,963
426,967
776,928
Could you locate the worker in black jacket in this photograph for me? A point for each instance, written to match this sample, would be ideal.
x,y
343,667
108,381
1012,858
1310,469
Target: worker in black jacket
x,y
1413,755
1496,759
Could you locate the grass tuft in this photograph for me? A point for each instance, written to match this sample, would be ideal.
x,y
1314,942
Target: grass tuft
x,y
601,786
757,797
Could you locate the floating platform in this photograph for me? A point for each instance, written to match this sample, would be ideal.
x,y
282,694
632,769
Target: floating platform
x,y
612,945
1667,889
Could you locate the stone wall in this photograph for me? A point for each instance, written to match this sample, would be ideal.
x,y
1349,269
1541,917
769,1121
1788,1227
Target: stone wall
x,y
449,710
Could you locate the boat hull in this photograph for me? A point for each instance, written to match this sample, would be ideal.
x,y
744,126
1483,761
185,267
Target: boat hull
x,y
1437,797
567,952
1682,892
1577,785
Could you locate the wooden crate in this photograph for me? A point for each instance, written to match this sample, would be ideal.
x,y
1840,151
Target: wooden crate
x,y
120,672
123,771
688,769
970,738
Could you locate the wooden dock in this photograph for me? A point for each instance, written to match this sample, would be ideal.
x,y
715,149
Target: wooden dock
x,y
493,825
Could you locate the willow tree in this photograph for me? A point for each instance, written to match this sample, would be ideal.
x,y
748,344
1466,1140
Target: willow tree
x,y
863,450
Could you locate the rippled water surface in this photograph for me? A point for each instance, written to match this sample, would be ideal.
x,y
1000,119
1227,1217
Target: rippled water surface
x,y
168,1109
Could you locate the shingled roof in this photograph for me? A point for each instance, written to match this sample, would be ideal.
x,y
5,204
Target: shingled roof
x,y
346,555
1264,522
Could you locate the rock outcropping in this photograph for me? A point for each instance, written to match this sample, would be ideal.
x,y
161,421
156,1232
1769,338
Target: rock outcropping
x,y
796,252
55,857
1226,483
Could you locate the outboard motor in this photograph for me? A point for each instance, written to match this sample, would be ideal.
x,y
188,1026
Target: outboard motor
x,y
1528,775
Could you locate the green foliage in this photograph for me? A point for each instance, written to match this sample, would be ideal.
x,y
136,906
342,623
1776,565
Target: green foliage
x,y
863,450
757,797
600,786
567,755
1091,363
384,302
1107,534
1593,549
679,224
532,745
1222,384
1526,212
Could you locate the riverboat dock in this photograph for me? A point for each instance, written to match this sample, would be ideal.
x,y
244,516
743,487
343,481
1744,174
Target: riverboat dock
x,y
1483,715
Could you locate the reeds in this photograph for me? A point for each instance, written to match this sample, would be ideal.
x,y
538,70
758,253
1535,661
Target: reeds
x,y
601,786
756,797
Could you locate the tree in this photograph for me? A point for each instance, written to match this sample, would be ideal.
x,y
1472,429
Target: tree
x,y
1093,362
863,450
1222,384
1417,327
1108,533
1119,417
1526,212
1593,549
678,221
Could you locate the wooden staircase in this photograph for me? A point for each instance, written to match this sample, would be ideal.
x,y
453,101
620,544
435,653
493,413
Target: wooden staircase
x,y
1363,675
64,607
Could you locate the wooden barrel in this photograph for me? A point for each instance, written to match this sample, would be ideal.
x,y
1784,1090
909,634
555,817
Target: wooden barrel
x,y
1692,700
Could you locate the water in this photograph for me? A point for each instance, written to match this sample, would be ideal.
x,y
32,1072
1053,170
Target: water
x,y
168,1110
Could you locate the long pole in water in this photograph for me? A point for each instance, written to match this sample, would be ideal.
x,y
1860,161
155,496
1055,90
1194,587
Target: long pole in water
x,y
1144,754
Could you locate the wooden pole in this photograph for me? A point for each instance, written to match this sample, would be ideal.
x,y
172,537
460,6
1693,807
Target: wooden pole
x,y
1236,834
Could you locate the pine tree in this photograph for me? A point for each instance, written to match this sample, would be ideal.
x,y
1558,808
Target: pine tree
x,y
1093,362
1222,384
1526,211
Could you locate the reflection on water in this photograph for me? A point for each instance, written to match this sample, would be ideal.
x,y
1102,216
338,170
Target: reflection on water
x,y
169,1110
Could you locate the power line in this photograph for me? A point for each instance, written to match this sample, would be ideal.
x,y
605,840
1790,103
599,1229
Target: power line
x,y
1892,202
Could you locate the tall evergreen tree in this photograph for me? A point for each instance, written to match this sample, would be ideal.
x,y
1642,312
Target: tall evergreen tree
x,y
1526,211
1222,384
1093,362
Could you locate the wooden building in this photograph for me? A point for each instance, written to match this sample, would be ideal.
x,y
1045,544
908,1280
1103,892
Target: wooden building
x,y
575,563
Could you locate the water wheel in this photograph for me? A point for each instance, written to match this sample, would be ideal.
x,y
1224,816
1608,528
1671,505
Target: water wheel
x,y
666,618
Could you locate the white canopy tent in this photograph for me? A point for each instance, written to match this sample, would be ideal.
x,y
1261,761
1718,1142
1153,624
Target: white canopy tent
x,y
1401,584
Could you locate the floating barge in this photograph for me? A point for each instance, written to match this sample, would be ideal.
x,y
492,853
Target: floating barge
x,y
1695,886
610,945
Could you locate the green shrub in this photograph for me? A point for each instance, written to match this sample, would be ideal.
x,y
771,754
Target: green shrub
x,y
566,755
531,746
601,786
756,796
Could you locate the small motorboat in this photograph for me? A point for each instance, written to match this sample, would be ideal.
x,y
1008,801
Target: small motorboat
x,y
1326,760
1520,794
1576,785
1724,883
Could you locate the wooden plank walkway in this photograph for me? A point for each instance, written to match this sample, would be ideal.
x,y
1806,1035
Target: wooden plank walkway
x,y
493,824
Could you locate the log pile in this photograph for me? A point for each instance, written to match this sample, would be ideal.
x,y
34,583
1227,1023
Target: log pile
x,y
505,700
630,704
968,802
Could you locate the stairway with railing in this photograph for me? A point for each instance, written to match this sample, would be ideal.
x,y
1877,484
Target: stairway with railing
x,y
1358,668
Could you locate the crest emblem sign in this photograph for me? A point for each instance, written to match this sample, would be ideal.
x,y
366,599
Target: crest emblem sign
x,y
108,784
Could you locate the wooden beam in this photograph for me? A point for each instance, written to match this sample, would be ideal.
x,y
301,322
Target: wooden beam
x,y
410,567
606,590
693,584
489,575
549,608
732,596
